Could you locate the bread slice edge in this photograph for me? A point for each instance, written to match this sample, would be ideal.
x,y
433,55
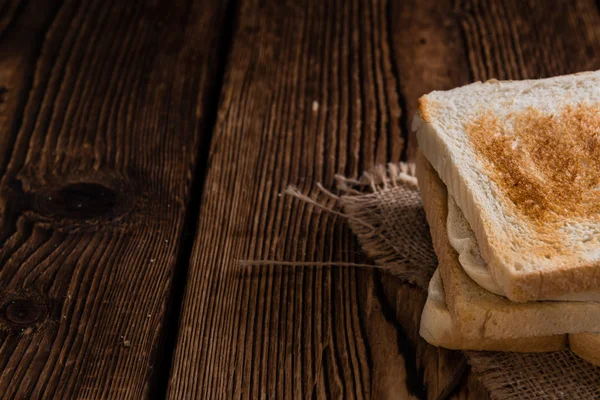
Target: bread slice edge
x,y
519,280
478,313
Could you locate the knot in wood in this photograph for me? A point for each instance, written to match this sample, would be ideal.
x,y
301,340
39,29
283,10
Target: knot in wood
x,y
23,312
80,200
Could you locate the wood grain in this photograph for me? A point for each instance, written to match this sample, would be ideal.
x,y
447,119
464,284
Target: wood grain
x,y
516,39
9,10
94,187
19,48
428,52
309,92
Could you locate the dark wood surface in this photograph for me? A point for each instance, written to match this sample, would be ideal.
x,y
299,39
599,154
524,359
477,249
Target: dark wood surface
x,y
102,116
144,147
309,92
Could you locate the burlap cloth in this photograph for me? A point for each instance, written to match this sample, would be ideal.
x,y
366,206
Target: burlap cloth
x,y
384,210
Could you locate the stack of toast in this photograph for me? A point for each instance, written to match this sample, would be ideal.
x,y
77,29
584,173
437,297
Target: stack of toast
x,y
509,173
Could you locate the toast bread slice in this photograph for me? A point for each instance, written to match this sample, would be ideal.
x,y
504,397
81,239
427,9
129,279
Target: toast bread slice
x,y
438,329
587,346
522,161
478,313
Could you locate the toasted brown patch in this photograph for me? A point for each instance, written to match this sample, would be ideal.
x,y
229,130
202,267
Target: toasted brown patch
x,y
547,165
425,109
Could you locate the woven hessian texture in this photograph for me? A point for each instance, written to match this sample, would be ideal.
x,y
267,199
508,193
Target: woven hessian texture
x,y
384,210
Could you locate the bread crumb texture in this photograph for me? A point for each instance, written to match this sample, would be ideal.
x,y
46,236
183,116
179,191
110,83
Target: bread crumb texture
x,y
547,165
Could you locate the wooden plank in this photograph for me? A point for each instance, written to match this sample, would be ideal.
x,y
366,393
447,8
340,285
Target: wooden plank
x,y
516,39
309,92
19,47
94,193
439,45
428,51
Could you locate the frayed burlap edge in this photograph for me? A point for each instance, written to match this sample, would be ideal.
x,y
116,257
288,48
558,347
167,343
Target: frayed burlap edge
x,y
382,191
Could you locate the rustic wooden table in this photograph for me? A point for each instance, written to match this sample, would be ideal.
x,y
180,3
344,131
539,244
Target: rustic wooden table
x,y
143,148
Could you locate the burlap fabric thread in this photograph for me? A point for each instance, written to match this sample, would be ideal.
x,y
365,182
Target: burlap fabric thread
x,y
384,210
